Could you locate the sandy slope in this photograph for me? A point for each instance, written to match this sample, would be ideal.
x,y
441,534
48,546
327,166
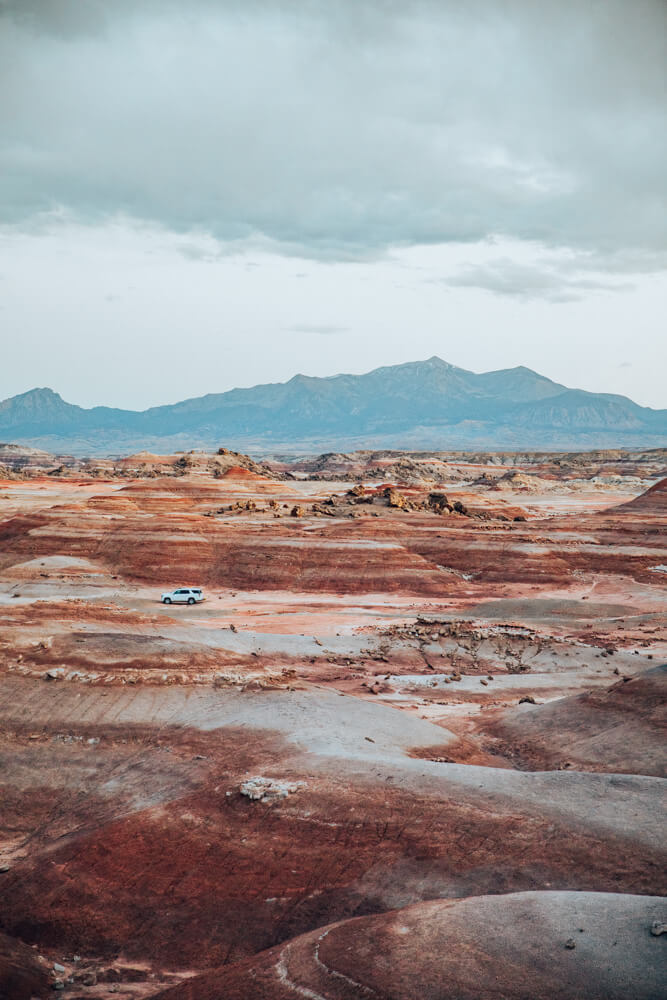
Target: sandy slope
x,y
523,946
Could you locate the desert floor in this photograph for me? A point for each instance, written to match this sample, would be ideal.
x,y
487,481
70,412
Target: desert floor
x,y
456,708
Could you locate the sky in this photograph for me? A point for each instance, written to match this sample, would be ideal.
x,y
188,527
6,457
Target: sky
x,y
202,194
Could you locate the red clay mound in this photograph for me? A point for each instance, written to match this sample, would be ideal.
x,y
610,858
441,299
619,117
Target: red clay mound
x,y
236,472
522,946
22,976
618,730
653,500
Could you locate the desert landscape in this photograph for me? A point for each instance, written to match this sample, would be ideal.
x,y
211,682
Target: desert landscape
x,y
410,746
333,500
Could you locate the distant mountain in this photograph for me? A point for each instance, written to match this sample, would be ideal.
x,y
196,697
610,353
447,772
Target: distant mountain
x,y
423,404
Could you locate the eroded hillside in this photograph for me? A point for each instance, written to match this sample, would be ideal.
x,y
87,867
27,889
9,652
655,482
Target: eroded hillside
x,y
420,713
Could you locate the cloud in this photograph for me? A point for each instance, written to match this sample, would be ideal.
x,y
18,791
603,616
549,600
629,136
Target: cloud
x,y
323,329
339,130
59,18
191,251
553,282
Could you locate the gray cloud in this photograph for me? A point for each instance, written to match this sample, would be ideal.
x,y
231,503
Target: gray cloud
x,y
323,329
191,251
337,130
59,18
554,282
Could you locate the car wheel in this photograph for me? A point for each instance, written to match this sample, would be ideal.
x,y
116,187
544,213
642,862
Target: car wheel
x,y
166,600
191,600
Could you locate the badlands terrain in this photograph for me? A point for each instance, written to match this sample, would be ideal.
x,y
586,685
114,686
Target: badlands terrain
x,y
410,746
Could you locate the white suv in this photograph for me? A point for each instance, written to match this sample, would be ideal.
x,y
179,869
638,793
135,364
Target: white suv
x,y
186,595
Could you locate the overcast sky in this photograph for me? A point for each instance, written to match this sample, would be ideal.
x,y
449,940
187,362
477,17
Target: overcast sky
x,y
198,194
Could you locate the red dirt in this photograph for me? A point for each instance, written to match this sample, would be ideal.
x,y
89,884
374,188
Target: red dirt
x,y
22,975
517,947
620,729
125,834
236,472
205,877
654,500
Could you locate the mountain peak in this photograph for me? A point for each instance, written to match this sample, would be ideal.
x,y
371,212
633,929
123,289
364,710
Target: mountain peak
x,y
35,397
436,362
43,393
39,406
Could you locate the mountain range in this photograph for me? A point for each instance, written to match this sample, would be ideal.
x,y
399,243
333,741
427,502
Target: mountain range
x,y
422,404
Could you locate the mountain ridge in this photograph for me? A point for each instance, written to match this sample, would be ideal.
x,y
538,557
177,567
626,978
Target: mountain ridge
x,y
419,403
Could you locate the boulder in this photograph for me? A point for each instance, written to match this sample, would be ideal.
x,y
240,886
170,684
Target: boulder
x,y
439,503
269,789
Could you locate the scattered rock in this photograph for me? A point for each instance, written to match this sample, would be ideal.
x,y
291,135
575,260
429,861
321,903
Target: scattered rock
x,y
658,927
395,499
54,673
318,508
439,503
527,700
269,789
570,944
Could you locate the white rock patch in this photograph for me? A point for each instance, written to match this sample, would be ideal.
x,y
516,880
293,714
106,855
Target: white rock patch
x,y
269,789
